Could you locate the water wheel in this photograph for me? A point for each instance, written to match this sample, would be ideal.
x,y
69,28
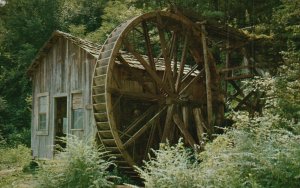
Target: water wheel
x,y
155,80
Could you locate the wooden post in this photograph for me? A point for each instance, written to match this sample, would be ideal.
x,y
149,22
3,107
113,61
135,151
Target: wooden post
x,y
185,117
208,82
227,66
200,123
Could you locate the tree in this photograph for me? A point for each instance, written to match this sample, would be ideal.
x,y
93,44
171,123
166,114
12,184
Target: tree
x,y
80,16
26,26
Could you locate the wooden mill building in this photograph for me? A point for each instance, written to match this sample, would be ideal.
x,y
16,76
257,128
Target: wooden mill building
x,y
61,77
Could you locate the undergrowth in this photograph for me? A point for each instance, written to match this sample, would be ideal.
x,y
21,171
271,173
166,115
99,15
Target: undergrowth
x,y
81,164
14,157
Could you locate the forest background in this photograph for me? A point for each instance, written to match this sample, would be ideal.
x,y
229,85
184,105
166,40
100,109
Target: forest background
x,y
26,24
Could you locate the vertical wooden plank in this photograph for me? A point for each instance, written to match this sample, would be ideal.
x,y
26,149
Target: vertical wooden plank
x,y
52,92
65,66
68,84
33,116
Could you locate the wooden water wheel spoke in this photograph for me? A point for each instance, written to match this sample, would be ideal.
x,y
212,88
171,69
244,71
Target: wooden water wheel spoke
x,y
138,121
157,65
148,45
147,67
191,82
174,55
183,129
200,123
189,73
139,133
168,122
182,64
130,70
150,140
185,116
166,54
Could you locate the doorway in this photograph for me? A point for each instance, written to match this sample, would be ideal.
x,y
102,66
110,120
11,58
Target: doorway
x,y
60,121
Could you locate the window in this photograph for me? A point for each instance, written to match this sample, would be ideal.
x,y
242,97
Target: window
x,y
77,111
42,114
42,125
77,118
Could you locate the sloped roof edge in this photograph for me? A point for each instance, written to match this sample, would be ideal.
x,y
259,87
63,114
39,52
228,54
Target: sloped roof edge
x,y
90,47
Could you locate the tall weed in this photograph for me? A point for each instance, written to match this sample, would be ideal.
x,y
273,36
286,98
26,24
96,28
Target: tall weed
x,y
14,157
81,164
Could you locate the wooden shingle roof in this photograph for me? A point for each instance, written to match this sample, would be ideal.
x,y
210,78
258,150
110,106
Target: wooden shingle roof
x,y
90,47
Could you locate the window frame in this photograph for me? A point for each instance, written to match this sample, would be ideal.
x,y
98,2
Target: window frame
x,y
80,106
43,132
73,119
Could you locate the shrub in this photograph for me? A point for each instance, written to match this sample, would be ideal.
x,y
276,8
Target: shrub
x,y
14,157
80,164
258,152
171,166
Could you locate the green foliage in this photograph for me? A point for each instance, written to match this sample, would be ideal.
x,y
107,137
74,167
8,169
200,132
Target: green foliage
x,y
14,157
259,152
115,13
170,166
80,164
286,21
288,85
25,26
81,13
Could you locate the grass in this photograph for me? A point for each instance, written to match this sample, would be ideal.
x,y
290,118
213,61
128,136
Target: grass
x,y
12,161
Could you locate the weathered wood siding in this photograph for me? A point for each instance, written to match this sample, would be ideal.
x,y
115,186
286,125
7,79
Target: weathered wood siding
x,y
65,70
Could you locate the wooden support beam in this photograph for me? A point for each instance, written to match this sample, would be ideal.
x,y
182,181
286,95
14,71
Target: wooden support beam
x,y
150,140
188,74
183,130
235,68
208,82
174,55
240,77
143,129
200,123
191,82
138,121
135,95
148,45
168,123
227,65
244,101
185,117
237,88
182,64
